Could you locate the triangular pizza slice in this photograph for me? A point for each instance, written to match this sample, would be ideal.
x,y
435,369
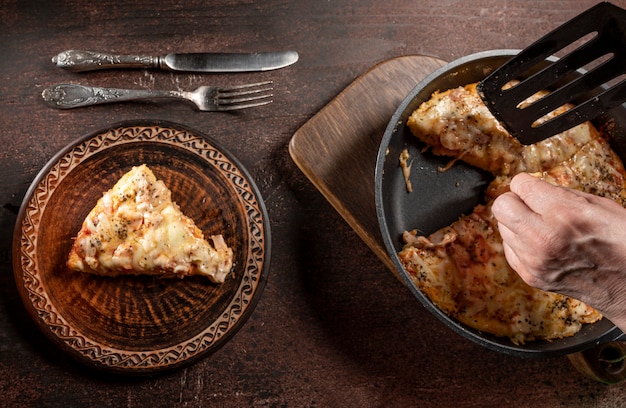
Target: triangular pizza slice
x,y
136,229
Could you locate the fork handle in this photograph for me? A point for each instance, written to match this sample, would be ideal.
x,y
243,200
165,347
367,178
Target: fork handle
x,y
81,61
67,96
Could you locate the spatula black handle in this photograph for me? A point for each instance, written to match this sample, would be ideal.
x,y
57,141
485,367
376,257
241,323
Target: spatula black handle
x,y
567,78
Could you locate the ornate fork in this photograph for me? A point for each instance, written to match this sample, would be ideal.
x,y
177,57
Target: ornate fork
x,y
206,98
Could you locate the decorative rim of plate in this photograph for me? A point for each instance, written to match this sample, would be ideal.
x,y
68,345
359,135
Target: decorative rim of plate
x,y
44,311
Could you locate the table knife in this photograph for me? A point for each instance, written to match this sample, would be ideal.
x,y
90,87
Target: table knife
x,y
80,61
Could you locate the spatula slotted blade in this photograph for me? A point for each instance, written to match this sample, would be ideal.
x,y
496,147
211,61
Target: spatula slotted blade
x,y
592,93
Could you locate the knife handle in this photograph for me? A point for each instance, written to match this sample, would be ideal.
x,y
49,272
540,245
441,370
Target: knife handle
x,y
81,61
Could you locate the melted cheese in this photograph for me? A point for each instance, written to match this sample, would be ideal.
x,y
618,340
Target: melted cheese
x,y
405,165
136,228
462,268
457,123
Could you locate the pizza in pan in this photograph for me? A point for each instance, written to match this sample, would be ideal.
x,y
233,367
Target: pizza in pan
x,y
462,268
136,229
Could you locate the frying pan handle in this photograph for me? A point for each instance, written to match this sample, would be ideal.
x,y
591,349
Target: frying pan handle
x,y
604,363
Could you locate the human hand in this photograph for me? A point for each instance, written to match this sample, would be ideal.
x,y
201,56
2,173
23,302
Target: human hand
x,y
566,241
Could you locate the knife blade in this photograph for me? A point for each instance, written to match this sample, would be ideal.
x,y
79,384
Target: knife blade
x,y
81,61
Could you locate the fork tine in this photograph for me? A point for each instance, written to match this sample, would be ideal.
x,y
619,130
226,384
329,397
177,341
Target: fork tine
x,y
242,90
244,96
233,100
237,87
242,105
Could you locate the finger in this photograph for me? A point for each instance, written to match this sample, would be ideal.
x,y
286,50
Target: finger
x,y
511,257
583,198
538,195
519,267
556,202
511,211
514,259
509,242
512,244
505,233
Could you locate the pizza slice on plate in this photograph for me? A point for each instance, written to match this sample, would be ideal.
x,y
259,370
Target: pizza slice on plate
x,y
136,229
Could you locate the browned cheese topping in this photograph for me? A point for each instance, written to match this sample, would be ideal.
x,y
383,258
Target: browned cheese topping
x,y
136,229
462,268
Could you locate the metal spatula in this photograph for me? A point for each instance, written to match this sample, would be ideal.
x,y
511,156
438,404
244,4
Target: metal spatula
x,y
602,30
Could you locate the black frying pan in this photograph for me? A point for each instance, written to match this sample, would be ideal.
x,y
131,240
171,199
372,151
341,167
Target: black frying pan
x,y
439,198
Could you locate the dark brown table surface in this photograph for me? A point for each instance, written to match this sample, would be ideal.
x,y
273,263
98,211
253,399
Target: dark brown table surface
x,y
334,326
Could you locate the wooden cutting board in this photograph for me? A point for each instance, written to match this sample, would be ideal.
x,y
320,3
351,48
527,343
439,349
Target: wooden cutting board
x,y
337,148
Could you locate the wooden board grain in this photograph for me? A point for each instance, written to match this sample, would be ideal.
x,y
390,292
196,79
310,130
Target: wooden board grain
x,y
336,149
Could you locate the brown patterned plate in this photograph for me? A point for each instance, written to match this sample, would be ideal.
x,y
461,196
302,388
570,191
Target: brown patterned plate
x,y
140,325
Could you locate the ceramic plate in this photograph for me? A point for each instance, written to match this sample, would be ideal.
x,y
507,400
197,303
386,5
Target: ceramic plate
x,y
140,324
